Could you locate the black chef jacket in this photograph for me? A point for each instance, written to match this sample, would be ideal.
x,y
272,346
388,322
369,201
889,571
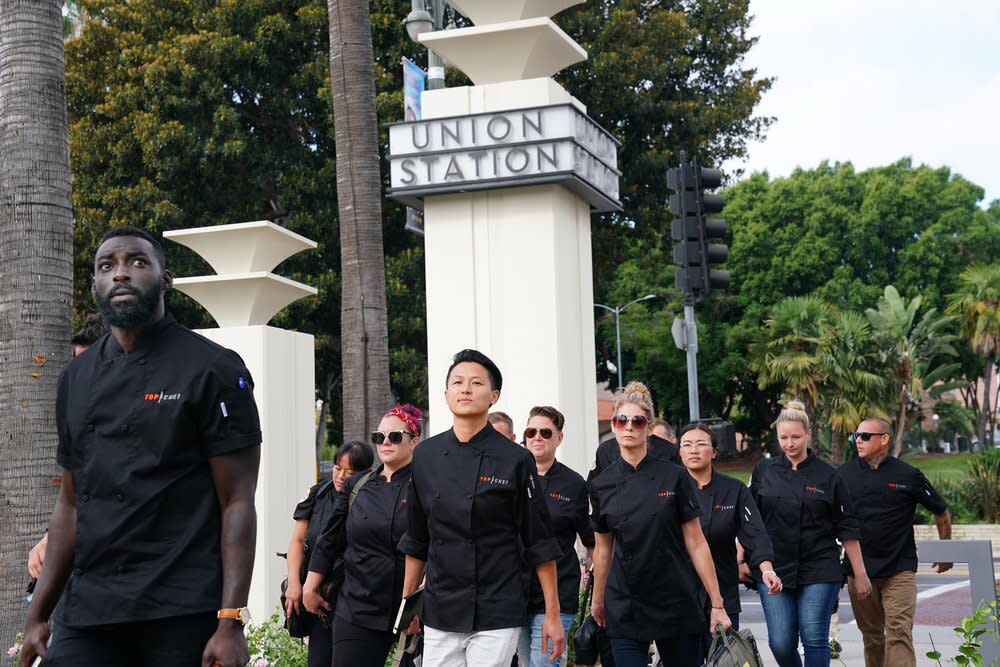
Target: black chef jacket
x,y
477,517
373,569
885,499
728,512
566,496
137,431
317,509
653,591
608,452
805,511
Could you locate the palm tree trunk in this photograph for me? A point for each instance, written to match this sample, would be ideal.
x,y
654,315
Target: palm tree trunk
x,y
982,421
897,446
364,328
36,244
838,444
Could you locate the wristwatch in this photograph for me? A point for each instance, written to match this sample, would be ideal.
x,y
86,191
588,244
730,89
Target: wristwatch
x,y
241,615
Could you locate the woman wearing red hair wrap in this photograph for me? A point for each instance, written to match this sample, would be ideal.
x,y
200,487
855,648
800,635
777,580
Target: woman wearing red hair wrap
x,y
367,522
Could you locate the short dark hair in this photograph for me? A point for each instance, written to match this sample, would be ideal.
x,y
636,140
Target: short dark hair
x,y
556,417
477,357
93,328
700,426
883,423
128,230
359,455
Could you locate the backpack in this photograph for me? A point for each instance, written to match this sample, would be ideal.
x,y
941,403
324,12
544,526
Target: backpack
x,y
733,648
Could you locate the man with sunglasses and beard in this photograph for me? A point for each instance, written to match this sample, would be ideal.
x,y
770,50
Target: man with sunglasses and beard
x,y
885,492
154,526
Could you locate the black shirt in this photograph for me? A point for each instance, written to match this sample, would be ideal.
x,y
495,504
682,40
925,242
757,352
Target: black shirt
x,y
137,431
805,511
569,512
728,513
885,499
477,517
653,591
608,452
371,527
317,509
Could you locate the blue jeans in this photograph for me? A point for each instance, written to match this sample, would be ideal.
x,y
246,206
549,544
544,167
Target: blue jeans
x,y
529,646
804,612
680,651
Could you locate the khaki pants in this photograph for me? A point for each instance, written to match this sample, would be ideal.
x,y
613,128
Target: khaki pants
x,y
885,619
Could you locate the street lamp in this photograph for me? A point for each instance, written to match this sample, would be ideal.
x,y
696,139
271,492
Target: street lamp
x,y
419,21
618,329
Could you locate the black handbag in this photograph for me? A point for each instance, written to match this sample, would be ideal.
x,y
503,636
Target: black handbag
x,y
587,639
733,648
298,623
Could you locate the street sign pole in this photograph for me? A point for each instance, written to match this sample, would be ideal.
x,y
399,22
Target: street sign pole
x,y
691,347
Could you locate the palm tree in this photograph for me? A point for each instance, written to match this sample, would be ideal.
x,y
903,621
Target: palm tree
x,y
788,352
852,386
364,329
915,354
977,306
36,244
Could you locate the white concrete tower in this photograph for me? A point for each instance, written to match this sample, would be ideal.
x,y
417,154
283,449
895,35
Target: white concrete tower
x,y
508,172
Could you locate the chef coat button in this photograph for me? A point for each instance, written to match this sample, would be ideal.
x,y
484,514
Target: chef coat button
x,y
468,496
446,452
120,496
90,427
124,428
85,498
78,571
437,495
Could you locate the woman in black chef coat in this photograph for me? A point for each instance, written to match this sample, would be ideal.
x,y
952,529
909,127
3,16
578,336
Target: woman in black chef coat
x,y
365,528
652,565
477,519
728,515
565,494
311,516
806,508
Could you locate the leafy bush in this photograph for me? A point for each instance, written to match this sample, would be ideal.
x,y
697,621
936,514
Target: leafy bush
x,y
272,646
984,476
963,500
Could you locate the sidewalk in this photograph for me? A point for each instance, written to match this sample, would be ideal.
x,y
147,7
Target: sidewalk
x,y
853,650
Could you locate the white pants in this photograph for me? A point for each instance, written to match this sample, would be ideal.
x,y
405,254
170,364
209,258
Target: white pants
x,y
487,648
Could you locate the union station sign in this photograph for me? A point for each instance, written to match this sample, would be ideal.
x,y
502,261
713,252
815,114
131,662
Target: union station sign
x,y
552,144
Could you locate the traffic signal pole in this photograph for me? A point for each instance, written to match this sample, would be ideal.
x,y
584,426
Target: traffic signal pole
x,y
691,349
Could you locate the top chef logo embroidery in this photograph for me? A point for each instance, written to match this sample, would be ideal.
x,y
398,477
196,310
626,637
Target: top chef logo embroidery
x,y
159,397
898,485
723,508
558,496
813,489
666,494
490,479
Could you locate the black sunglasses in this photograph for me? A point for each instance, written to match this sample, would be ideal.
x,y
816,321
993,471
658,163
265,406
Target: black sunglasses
x,y
861,435
530,432
395,437
638,421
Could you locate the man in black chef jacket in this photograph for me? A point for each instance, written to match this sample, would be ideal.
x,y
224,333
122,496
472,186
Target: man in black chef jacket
x,y
476,518
154,525
885,492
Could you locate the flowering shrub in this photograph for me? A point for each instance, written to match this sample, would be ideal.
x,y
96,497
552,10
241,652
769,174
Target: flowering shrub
x,y
272,646
14,652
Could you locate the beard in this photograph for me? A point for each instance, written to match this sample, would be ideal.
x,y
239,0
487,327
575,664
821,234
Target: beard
x,y
129,315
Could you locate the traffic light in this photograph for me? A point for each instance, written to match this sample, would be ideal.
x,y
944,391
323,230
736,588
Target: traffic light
x,y
697,240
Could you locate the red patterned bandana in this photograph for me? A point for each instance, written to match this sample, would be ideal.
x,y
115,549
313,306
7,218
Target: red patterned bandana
x,y
411,423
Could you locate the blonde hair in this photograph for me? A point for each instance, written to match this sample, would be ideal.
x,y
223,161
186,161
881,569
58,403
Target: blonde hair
x,y
794,411
635,393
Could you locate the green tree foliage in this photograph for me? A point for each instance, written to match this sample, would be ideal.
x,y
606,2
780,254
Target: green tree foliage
x,y
976,303
830,232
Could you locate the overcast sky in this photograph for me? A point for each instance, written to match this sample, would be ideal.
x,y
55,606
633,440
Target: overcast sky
x,y
871,81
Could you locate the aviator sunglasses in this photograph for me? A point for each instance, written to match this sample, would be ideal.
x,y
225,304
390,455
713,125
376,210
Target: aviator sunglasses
x,y
861,435
530,432
395,437
638,421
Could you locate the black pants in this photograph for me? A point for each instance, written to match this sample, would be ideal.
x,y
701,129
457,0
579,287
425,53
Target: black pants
x,y
320,643
359,647
166,642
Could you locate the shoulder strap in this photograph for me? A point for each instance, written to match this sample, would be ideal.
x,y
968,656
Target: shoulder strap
x,y
357,487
